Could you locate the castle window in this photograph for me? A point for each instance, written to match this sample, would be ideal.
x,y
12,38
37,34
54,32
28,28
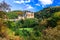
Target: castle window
x,y
32,15
28,14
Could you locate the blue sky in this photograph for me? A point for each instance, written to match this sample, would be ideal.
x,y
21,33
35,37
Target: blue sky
x,y
31,5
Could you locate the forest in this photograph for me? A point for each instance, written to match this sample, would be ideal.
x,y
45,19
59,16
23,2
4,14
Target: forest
x,y
45,25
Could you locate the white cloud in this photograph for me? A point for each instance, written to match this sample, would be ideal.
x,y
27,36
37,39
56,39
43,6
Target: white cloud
x,y
46,2
37,4
28,7
19,2
22,1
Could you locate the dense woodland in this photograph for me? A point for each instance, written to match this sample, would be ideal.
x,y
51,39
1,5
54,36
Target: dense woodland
x,y
45,25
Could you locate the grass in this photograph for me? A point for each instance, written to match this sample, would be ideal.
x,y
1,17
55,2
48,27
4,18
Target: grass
x,y
24,31
28,29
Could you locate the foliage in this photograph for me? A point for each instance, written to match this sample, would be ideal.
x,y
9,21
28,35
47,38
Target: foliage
x,y
52,23
3,26
27,23
12,15
45,25
52,34
47,12
57,14
2,14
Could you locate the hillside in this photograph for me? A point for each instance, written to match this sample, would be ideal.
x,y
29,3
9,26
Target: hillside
x,y
45,25
14,14
47,12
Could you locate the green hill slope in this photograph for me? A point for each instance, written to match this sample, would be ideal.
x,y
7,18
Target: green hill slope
x,y
14,14
47,12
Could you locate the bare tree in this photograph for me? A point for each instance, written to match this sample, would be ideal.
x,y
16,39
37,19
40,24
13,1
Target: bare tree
x,y
4,6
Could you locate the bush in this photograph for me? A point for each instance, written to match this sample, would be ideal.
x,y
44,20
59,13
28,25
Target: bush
x,y
2,14
52,23
52,33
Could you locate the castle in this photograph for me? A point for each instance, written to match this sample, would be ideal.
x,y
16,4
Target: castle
x,y
26,14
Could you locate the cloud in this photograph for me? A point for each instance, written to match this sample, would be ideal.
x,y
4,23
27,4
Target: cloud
x,y
19,2
27,7
46,2
22,1
37,4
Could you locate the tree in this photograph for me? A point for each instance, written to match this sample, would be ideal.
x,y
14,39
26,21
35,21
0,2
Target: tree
x,y
4,6
2,28
30,23
3,14
12,15
2,24
57,15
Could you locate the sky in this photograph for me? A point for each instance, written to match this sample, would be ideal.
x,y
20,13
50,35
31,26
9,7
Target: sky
x,y
31,5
